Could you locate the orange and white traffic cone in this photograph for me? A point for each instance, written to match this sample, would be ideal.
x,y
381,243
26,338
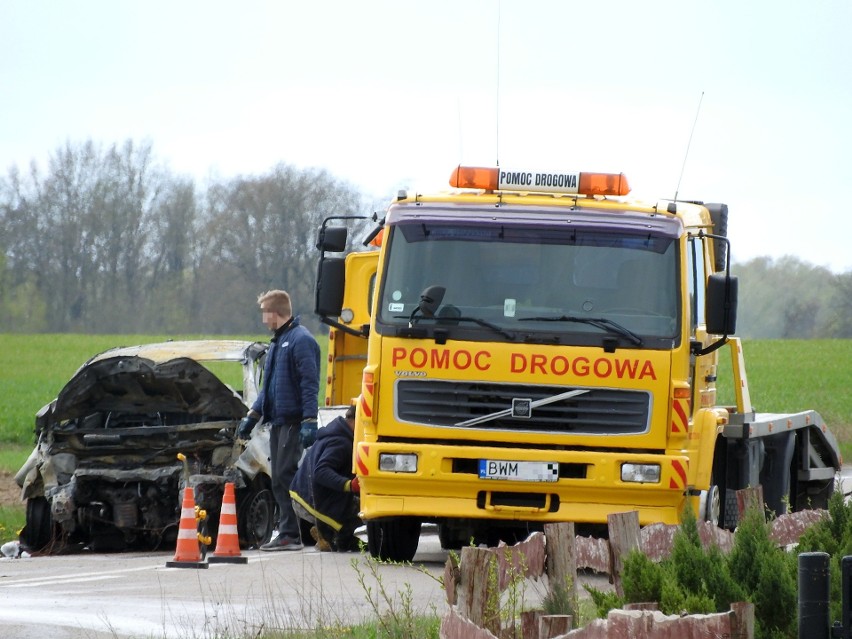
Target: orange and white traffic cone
x,y
228,540
187,550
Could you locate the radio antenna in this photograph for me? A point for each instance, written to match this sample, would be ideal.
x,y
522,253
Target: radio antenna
x,y
688,144
497,92
461,132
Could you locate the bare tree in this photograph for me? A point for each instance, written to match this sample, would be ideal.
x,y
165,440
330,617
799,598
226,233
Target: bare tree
x,y
263,231
80,234
96,207
783,298
840,323
171,247
22,306
67,225
129,188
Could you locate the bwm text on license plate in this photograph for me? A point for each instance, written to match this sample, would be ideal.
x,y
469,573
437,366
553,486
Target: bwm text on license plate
x,y
518,470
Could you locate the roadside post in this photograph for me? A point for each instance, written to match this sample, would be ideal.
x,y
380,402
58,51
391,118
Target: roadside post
x,y
843,629
814,587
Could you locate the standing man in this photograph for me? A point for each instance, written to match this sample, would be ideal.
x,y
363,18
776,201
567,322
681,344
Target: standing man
x,y
288,403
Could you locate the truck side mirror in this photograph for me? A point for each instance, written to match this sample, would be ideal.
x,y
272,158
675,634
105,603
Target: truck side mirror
x,y
331,279
721,307
332,239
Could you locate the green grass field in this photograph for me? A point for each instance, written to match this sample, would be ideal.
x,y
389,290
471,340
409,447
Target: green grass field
x,y
784,376
788,376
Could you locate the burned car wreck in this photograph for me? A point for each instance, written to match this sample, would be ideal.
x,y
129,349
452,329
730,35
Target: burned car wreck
x,y
105,474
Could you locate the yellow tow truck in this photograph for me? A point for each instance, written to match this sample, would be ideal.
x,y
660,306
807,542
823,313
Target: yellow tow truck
x,y
531,347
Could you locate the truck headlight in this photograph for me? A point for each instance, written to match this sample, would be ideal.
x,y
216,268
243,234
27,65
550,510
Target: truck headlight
x,y
641,473
398,462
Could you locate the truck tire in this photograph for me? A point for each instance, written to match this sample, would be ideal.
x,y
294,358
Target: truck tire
x,y
451,539
732,516
719,216
393,539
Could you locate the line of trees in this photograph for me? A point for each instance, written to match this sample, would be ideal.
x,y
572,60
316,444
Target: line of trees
x,y
108,240
789,298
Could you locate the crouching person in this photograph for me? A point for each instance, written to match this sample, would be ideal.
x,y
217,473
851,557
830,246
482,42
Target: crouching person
x,y
324,490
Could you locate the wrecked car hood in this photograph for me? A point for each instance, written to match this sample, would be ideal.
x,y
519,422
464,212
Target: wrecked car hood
x,y
223,350
132,384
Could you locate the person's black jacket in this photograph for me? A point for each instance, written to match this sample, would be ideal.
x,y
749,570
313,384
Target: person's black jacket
x,y
322,483
291,376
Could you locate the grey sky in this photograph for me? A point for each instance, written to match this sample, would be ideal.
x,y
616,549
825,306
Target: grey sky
x,y
395,94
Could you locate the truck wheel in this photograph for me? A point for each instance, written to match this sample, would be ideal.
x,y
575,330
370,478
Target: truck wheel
x,y
711,504
732,516
256,514
450,538
393,539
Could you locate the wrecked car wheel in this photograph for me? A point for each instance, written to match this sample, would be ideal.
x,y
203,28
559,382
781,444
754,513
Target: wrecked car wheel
x,y
39,532
256,514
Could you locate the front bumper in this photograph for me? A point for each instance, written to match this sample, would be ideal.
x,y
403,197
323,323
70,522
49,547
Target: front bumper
x,y
589,487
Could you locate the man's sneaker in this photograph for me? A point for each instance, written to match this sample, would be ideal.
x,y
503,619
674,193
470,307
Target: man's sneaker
x,y
282,543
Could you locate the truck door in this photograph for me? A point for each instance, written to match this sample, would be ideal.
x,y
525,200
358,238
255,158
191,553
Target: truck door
x,y
702,370
347,353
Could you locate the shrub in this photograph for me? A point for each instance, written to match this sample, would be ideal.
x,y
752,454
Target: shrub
x,y
698,580
701,571
604,601
642,578
832,535
762,571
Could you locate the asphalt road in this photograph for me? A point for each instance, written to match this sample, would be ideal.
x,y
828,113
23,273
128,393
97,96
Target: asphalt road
x,y
95,596
134,595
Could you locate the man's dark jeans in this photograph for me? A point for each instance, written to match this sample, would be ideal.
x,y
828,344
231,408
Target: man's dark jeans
x,y
285,451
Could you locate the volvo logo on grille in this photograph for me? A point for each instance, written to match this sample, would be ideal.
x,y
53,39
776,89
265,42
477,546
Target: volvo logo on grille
x,y
521,408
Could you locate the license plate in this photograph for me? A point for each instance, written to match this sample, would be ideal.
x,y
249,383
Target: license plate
x,y
518,470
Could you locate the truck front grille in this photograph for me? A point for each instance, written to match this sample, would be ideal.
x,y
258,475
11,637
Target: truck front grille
x,y
597,411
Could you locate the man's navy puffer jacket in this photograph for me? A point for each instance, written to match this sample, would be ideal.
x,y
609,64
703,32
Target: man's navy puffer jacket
x,y
290,376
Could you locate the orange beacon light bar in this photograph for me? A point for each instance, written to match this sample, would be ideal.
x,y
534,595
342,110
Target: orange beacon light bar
x,y
498,179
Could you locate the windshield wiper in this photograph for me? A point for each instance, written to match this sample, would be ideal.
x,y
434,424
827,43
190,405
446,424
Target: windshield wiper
x,y
449,320
603,323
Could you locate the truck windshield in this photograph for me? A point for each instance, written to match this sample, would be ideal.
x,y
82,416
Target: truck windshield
x,y
533,283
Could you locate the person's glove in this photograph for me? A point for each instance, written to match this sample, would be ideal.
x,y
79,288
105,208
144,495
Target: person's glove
x,y
355,485
247,424
308,432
